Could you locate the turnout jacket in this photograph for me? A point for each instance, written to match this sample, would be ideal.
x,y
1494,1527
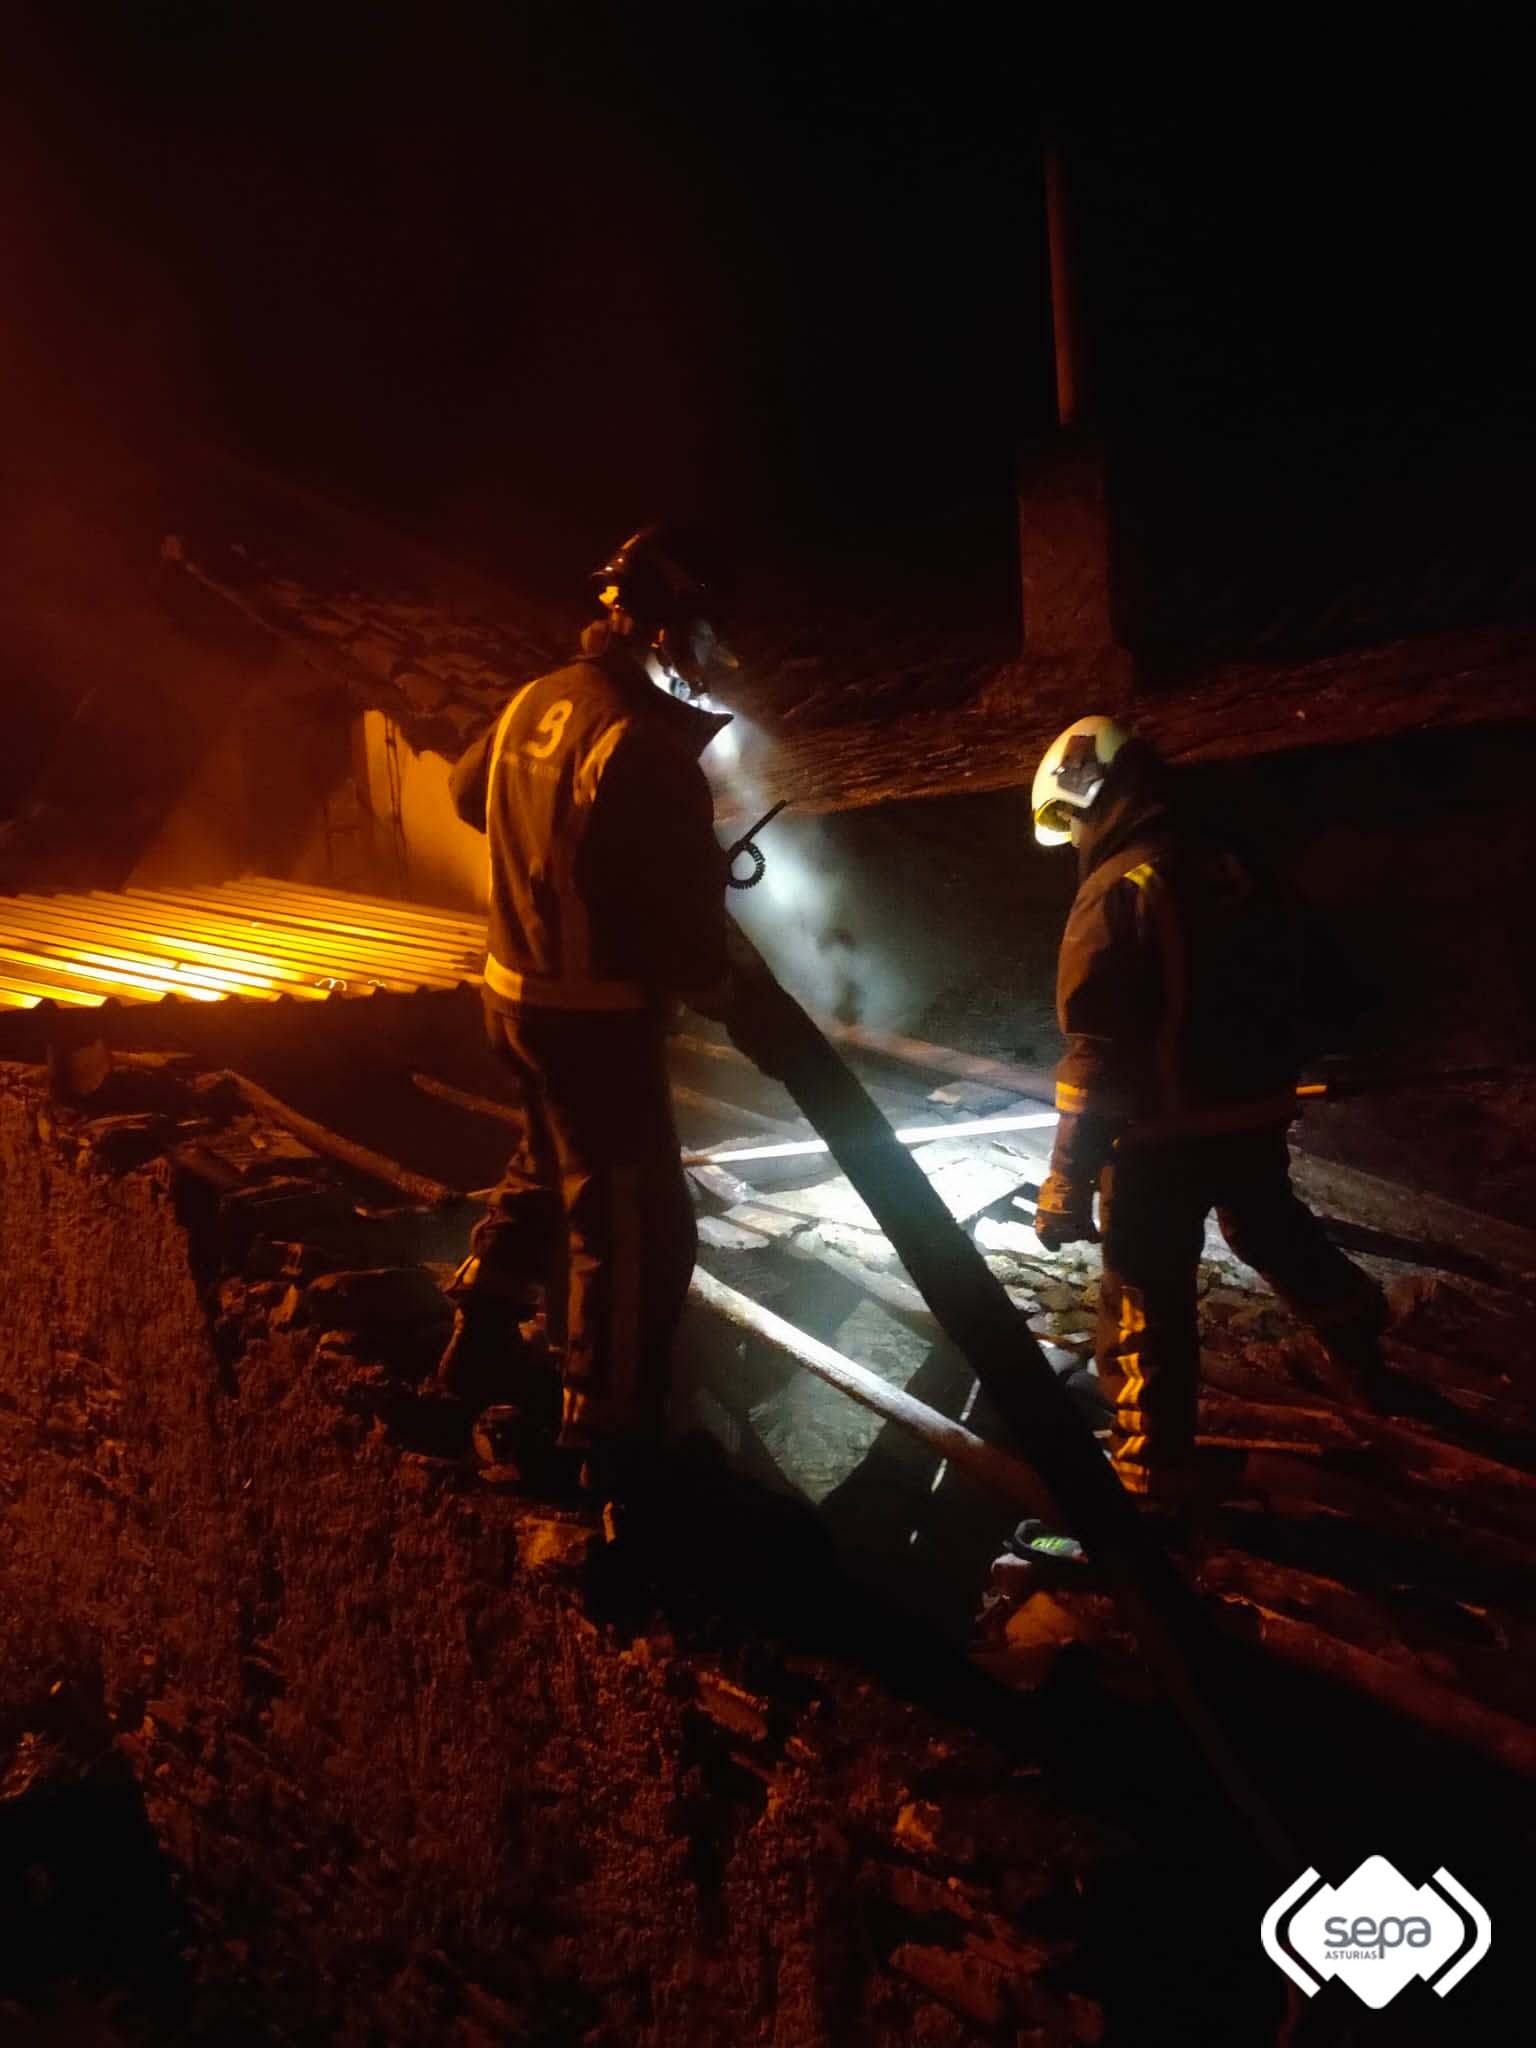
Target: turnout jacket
x,y
607,883
1178,986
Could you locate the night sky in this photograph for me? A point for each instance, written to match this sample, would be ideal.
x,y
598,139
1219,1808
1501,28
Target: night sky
x,y
522,275
518,276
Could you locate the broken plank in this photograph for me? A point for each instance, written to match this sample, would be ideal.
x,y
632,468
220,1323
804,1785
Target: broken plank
x,y
735,1113
1299,1483
708,1048
723,1235
419,1188
1365,1198
976,1098
763,1217
462,1098
889,1289
865,1247
1316,1428
1404,1686
722,1186
832,1200
943,1059
1448,1466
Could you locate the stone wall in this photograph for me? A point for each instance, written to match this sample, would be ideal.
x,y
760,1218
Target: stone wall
x,y
417,1785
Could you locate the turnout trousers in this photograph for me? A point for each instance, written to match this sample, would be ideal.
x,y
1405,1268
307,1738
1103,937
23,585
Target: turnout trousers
x,y
593,1202
1153,1202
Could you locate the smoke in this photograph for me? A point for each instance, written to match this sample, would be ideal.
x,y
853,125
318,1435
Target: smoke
x,y
809,915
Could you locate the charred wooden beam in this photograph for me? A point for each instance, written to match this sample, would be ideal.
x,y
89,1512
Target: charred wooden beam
x,y
462,1098
711,1105
1174,1630
708,1048
419,1188
1008,1477
943,1059
1404,1687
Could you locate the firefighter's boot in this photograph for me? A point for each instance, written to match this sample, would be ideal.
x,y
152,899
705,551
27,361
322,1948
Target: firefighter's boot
x,y
1187,1526
480,1365
1051,1557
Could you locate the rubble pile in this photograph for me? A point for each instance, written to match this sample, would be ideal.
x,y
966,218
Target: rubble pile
x,y
1395,1554
426,1761
422,1772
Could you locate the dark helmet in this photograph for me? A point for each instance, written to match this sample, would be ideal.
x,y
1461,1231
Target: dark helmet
x,y
657,577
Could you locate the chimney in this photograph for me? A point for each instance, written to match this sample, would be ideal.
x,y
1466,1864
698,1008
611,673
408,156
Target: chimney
x,y
1064,546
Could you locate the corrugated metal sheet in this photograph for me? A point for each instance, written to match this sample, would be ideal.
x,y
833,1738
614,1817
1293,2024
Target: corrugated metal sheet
x,y
255,939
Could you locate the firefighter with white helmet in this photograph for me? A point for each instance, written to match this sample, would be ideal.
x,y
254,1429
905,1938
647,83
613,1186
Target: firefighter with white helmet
x,y
1178,996
1071,774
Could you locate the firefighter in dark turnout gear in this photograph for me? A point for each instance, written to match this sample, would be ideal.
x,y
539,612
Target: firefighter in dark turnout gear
x,y
607,894
1179,997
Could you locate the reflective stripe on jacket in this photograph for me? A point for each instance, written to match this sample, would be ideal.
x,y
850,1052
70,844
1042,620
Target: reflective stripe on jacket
x,y
607,884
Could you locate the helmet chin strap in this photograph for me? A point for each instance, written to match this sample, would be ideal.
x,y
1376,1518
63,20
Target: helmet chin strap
x,y
661,670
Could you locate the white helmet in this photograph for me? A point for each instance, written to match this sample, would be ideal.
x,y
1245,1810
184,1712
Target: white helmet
x,y
1071,775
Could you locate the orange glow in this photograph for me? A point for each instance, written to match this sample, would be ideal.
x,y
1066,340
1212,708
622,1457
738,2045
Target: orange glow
x,y
257,939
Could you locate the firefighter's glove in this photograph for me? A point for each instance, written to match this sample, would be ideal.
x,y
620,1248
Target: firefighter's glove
x,y
750,1004
1064,1213
754,1023
740,961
